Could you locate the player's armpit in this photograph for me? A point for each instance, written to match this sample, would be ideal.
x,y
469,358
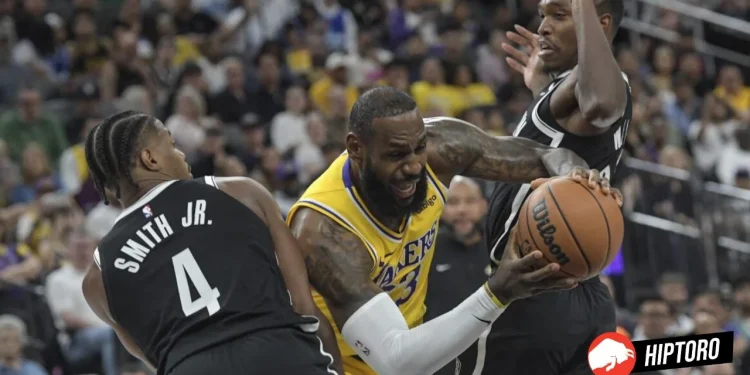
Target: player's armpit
x,y
456,147
338,263
93,292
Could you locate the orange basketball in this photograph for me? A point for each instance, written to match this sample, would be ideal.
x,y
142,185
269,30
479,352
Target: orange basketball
x,y
578,227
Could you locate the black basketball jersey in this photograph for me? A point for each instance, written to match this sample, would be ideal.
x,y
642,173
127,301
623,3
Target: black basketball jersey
x,y
188,267
601,152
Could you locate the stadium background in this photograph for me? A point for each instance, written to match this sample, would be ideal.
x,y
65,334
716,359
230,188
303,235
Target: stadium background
x,y
263,88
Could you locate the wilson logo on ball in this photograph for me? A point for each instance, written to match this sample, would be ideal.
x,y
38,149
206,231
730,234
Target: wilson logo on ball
x,y
547,231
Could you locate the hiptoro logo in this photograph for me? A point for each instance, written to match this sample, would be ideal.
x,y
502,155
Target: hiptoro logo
x,y
547,231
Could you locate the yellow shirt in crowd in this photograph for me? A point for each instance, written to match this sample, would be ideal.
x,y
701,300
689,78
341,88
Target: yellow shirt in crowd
x,y
740,102
320,90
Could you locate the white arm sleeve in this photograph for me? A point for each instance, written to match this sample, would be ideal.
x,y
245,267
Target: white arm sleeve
x,y
378,333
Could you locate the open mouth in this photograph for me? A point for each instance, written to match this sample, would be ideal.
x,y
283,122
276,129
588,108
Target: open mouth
x,y
545,48
404,190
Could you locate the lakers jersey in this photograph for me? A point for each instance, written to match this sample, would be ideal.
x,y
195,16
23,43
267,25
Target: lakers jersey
x,y
401,259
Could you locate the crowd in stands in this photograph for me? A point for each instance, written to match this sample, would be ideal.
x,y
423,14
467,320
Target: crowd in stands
x,y
263,88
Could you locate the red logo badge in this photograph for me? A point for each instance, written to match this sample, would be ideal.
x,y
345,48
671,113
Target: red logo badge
x,y
611,353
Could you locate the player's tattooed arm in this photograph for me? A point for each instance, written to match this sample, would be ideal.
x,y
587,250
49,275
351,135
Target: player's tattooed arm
x,y
338,263
456,147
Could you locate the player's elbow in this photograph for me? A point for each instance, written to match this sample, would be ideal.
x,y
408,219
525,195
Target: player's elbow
x,y
603,113
602,109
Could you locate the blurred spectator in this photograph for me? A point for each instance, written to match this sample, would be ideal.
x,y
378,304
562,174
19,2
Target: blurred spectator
x,y
673,288
136,98
731,87
85,100
431,93
73,169
719,306
491,66
234,100
735,156
461,264
88,50
654,319
664,65
469,92
13,75
31,26
30,124
124,69
189,122
308,156
288,127
396,74
102,217
337,67
89,335
9,173
38,176
269,95
712,133
12,339
341,27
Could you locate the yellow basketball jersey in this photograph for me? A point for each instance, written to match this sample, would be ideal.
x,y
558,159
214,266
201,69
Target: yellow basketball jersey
x,y
402,259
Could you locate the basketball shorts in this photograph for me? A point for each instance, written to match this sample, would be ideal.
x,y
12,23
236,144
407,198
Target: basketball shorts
x,y
549,334
287,351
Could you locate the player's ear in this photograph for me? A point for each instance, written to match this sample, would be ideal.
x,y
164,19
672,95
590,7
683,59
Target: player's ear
x,y
354,147
149,160
606,21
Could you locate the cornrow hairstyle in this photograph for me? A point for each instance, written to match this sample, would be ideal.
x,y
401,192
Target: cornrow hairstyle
x,y
111,147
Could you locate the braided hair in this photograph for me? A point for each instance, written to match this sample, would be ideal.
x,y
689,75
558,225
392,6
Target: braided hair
x,y
111,147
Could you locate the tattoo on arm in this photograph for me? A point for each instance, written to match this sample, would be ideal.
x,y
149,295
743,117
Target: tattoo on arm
x,y
457,147
338,264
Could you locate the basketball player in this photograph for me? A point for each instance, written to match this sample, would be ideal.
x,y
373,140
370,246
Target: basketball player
x,y
368,225
582,103
193,276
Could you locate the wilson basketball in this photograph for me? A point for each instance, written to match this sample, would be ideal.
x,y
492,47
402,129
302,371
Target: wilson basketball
x,y
578,227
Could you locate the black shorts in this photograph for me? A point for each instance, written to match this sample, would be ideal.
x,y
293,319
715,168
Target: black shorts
x,y
287,351
548,334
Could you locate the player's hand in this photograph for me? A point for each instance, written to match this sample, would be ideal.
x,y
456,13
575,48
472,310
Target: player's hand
x,y
526,60
518,275
591,178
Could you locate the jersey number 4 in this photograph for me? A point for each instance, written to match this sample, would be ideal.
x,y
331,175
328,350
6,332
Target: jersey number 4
x,y
185,267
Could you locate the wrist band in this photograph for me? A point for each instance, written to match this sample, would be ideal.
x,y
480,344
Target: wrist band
x,y
494,298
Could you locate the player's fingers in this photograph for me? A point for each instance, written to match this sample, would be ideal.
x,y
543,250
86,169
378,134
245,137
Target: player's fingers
x,y
594,178
618,196
512,251
518,39
538,182
515,65
604,183
538,275
515,53
528,261
578,174
531,37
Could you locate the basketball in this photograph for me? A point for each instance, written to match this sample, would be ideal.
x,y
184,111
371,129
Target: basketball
x,y
578,227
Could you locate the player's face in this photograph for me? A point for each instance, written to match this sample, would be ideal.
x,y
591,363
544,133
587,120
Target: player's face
x,y
559,49
394,174
170,160
464,208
